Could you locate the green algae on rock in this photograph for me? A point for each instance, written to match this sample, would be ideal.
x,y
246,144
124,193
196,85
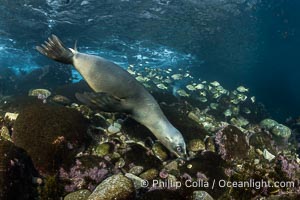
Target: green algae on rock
x,y
103,149
196,145
137,181
4,132
201,195
37,92
160,151
115,187
78,195
51,188
150,174
60,99
52,135
136,170
281,131
268,124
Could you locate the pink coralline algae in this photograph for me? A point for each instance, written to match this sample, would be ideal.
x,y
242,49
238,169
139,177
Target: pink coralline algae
x,y
232,143
201,176
163,174
186,176
42,97
82,178
290,168
221,145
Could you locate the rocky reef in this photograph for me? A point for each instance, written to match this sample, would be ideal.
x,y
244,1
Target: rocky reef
x,y
17,180
52,135
236,150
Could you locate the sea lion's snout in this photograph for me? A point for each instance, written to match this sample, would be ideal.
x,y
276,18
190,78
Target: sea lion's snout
x,y
180,151
176,144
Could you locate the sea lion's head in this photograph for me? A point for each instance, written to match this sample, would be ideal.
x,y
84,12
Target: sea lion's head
x,y
175,143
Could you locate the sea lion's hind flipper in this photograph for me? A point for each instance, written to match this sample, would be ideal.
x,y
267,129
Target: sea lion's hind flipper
x,y
101,100
55,49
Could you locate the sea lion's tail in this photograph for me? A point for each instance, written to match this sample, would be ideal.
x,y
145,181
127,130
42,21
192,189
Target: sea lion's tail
x,y
55,49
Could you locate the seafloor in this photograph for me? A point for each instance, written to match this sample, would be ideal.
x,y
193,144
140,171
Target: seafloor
x,y
53,147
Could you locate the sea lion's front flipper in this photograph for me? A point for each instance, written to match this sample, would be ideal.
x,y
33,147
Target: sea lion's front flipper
x,y
101,100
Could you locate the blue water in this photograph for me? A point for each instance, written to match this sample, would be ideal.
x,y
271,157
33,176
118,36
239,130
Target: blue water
x,y
250,42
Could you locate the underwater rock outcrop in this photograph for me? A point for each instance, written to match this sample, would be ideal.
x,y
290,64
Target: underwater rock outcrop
x,y
52,135
86,173
288,169
232,143
16,173
263,140
279,130
143,158
78,195
205,168
268,124
225,142
115,187
69,90
177,113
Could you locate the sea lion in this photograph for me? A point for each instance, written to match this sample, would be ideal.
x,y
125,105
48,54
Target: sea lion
x,y
117,91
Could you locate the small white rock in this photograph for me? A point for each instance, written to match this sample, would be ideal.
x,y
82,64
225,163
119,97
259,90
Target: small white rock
x,y
137,181
113,129
201,195
11,116
267,155
256,161
117,125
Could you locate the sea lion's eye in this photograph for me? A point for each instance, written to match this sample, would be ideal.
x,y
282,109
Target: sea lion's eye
x,y
178,149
